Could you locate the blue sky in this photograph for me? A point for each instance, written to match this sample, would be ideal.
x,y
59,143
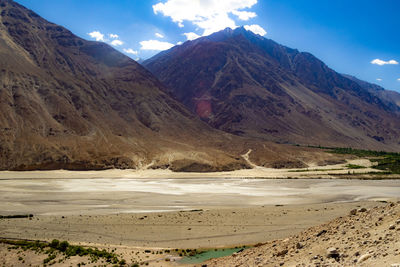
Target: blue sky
x,y
346,35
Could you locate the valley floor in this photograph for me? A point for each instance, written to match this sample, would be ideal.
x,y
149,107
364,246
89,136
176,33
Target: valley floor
x,y
106,210
142,237
342,170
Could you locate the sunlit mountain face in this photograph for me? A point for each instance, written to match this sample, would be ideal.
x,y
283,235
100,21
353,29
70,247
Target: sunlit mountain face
x,y
245,84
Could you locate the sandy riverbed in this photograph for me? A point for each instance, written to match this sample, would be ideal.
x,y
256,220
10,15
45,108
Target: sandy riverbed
x,y
195,229
328,171
103,196
137,210
159,212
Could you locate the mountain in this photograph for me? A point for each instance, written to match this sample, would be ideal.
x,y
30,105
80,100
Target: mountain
x,y
70,103
74,104
391,98
244,84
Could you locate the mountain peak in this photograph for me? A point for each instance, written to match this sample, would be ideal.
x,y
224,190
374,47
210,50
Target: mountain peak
x,y
227,30
84,105
238,31
222,35
245,84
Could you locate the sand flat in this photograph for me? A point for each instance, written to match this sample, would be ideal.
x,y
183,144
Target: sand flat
x,y
136,211
208,228
102,196
313,171
155,212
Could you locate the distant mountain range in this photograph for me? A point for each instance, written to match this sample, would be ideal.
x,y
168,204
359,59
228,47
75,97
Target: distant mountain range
x,y
247,85
74,104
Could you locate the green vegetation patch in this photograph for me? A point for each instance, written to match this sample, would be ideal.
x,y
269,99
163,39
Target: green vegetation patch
x,y
64,248
354,166
386,161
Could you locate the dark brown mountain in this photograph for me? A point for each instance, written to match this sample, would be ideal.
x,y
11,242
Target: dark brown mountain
x,y
251,86
391,98
70,103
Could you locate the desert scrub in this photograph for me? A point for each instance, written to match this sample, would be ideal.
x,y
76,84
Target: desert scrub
x,y
65,248
24,244
354,166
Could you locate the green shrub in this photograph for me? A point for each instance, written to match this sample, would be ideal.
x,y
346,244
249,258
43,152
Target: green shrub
x,y
55,243
353,166
63,246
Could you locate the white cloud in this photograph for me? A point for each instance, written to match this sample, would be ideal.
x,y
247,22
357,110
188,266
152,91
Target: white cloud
x,y
113,36
216,23
130,51
191,35
210,15
179,43
159,35
244,15
155,45
97,35
398,79
379,79
117,42
257,29
382,62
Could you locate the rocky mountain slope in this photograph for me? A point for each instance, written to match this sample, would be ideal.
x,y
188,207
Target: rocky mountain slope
x,y
251,86
70,103
391,98
364,238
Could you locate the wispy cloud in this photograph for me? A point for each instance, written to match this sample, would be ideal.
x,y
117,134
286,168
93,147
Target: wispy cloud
x,y
130,51
117,42
257,29
210,15
398,79
159,35
155,45
379,79
382,62
97,35
113,36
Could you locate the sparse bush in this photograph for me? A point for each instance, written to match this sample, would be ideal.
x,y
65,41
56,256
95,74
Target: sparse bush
x,y
353,166
63,246
55,243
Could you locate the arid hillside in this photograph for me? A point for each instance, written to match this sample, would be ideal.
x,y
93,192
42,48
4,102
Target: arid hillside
x,y
70,103
247,85
363,238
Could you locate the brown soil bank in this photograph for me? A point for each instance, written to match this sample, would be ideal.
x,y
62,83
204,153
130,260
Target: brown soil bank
x,y
366,237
